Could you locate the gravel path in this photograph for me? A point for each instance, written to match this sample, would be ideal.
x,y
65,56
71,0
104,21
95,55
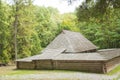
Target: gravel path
x,y
60,76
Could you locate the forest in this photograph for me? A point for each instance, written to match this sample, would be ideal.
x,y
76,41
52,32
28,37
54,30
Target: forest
x,y
26,29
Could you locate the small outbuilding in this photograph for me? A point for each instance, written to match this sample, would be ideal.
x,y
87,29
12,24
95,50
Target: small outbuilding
x,y
72,51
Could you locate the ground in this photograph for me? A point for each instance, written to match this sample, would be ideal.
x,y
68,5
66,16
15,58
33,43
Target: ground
x,y
10,73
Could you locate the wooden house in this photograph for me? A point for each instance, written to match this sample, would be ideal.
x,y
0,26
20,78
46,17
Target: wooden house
x,y
72,51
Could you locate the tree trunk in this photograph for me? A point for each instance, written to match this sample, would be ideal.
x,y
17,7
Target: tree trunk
x,y
15,29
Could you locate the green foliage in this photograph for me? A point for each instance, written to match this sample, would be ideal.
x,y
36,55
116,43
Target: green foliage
x,y
100,20
69,22
28,42
32,26
47,24
95,8
4,33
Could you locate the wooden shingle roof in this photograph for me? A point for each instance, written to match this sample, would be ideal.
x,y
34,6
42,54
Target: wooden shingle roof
x,y
83,56
72,42
109,53
46,54
101,55
50,53
59,54
72,46
29,59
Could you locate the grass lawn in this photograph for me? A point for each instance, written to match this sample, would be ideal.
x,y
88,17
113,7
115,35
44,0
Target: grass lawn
x,y
11,70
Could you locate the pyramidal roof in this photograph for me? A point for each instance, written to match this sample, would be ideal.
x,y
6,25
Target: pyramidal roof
x,y
72,42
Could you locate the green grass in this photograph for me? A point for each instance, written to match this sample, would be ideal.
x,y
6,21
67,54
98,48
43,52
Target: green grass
x,y
22,72
12,71
114,71
17,72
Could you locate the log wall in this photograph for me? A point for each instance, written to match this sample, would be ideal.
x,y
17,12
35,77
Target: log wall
x,y
111,64
88,66
25,65
43,64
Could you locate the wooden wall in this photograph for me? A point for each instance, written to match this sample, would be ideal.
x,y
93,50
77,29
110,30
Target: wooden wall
x,y
111,64
43,64
25,65
89,66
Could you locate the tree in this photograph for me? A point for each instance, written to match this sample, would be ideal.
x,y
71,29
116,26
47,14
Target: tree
x,y
69,22
101,20
4,33
47,24
24,29
95,8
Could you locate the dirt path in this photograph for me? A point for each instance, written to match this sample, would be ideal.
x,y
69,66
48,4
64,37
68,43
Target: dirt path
x,y
52,75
